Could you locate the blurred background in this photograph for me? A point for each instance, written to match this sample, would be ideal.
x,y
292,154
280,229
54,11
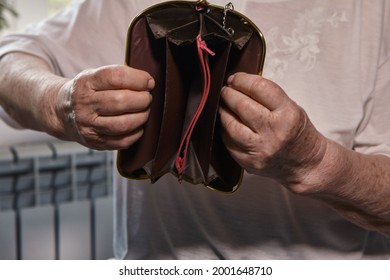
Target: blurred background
x,y
55,196
28,12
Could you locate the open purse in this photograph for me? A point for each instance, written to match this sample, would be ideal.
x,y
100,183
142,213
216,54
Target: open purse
x,y
190,48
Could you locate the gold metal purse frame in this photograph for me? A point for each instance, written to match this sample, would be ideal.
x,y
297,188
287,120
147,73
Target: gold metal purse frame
x,y
164,40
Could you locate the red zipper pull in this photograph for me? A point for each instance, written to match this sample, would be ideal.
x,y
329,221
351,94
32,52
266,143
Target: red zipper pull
x,y
203,46
184,145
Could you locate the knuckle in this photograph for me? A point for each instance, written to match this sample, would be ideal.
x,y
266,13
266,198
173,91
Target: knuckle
x,y
80,88
129,141
266,87
111,75
259,84
122,127
119,97
144,99
297,119
116,74
245,105
297,114
82,78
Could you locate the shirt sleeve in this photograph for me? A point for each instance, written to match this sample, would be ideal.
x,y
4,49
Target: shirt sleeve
x,y
373,135
87,34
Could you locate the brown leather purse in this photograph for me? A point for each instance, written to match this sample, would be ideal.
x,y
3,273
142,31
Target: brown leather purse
x,y
190,48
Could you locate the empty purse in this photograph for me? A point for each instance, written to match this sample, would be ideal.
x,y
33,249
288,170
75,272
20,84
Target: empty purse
x,y
190,48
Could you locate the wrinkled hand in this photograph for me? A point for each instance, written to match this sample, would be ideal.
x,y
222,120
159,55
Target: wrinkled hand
x,y
106,108
266,132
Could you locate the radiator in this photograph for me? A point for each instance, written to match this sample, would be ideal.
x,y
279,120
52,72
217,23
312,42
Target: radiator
x,y
55,202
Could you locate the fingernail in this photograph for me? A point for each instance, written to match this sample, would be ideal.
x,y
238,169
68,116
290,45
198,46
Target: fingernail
x,y
151,84
230,79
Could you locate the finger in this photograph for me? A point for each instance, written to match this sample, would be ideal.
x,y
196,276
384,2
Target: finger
x,y
119,142
118,102
121,77
235,133
236,137
259,89
123,141
240,155
119,125
251,113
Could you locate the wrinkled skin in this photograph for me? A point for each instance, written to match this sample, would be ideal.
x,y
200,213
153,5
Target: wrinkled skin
x,y
108,106
266,132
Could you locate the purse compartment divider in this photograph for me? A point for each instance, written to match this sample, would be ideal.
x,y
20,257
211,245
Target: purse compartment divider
x,y
205,129
181,71
147,54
